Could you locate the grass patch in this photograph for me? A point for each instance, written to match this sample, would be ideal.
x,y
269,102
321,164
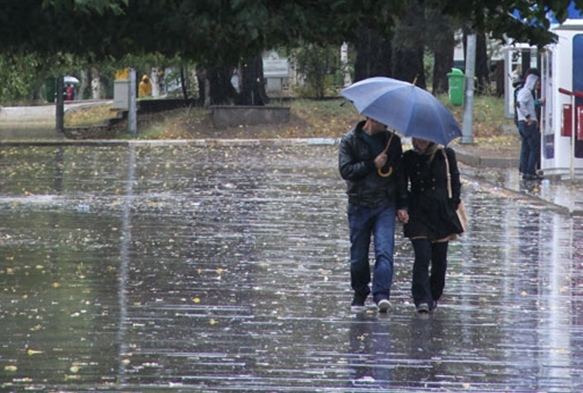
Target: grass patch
x,y
309,118
89,115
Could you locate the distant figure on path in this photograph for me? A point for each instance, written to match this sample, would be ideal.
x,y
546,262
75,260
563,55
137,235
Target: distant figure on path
x,y
145,88
70,92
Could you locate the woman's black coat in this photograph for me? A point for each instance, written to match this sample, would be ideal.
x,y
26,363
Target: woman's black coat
x,y
431,211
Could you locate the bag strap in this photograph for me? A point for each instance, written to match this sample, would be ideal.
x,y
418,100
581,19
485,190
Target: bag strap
x,y
449,192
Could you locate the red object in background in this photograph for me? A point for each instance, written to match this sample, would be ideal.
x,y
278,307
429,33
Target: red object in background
x,y
70,91
578,94
566,124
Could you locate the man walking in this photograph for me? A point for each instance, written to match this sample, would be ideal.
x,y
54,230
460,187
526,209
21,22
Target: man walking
x,y
369,159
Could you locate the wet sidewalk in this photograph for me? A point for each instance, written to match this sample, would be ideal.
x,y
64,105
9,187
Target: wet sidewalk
x,y
222,267
501,171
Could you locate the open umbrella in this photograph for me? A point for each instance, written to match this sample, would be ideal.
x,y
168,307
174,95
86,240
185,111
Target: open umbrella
x,y
70,79
404,107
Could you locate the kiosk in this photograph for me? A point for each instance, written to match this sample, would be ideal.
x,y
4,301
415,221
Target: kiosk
x,y
518,58
562,115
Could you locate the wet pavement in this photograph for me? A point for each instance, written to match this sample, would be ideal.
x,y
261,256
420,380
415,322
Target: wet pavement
x,y
209,266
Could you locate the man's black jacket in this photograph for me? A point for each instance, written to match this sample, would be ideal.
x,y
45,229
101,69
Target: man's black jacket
x,y
365,186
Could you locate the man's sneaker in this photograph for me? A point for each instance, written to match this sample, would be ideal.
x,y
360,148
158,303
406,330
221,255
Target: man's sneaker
x,y
358,303
383,305
434,305
423,308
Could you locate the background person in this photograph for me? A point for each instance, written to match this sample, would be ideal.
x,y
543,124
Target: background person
x,y
527,110
145,87
371,207
429,217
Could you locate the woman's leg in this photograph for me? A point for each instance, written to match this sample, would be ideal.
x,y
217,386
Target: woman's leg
x,y
420,288
438,269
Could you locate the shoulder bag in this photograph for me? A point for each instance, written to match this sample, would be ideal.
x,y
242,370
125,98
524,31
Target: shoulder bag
x,y
461,208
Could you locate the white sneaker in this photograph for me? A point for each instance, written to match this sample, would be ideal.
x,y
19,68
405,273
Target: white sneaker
x,y
383,305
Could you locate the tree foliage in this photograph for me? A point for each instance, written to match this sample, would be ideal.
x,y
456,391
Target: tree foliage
x,y
524,21
223,33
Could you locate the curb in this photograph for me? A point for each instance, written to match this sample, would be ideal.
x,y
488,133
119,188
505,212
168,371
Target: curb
x,y
485,162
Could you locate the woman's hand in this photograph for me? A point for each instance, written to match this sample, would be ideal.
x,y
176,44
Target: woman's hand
x,y
403,216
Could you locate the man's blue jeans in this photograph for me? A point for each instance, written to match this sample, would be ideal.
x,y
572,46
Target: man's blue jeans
x,y
530,149
380,223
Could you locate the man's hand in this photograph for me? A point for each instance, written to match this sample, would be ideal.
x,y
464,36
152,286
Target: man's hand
x,y
380,160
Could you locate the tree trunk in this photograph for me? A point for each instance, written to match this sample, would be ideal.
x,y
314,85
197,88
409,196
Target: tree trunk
x,y
60,105
443,63
409,46
374,55
252,82
203,88
409,66
500,78
95,85
154,78
442,44
183,84
482,65
84,85
215,87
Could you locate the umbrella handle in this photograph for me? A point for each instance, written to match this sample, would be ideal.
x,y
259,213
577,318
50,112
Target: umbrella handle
x,y
385,174
389,172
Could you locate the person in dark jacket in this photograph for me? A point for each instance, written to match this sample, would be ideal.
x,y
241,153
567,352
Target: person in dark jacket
x,y
429,217
369,159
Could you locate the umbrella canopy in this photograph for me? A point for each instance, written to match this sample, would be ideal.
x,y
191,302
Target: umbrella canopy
x,y
406,108
70,79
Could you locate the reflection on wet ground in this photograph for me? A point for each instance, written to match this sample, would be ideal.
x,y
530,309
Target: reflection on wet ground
x,y
187,268
560,192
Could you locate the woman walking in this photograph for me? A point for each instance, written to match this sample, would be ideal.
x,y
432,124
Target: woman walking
x,y
430,217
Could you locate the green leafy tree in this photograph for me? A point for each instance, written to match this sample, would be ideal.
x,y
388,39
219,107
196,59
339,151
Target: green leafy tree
x,y
219,34
319,64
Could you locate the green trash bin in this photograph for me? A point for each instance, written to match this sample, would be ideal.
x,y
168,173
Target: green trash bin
x,y
456,87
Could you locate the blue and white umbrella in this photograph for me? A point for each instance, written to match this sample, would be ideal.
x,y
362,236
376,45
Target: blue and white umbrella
x,y
404,107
